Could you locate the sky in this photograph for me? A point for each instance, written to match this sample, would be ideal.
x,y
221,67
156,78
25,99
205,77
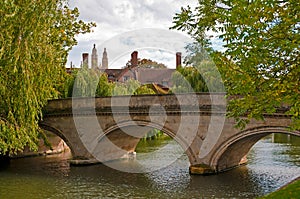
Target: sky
x,y
127,25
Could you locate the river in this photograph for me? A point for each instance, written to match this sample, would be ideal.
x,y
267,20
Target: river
x,y
273,162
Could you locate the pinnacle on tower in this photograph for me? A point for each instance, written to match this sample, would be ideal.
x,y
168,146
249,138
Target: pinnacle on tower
x,y
94,57
104,60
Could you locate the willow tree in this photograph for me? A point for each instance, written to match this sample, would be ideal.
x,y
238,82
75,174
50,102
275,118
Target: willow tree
x,y
260,58
199,77
131,87
88,83
35,39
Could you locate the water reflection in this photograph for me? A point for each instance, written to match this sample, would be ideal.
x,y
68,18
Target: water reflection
x,y
286,139
271,165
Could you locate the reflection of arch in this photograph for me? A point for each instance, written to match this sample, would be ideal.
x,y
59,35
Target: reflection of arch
x,y
232,152
58,133
113,128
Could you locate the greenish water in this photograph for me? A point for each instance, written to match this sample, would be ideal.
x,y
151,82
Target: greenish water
x,y
271,165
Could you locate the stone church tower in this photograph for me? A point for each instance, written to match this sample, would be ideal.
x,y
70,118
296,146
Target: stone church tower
x,y
94,58
104,60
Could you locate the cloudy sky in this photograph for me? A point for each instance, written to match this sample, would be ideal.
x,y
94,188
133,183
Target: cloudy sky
x,y
127,25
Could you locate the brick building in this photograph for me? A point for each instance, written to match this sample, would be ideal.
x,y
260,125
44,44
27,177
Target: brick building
x,y
157,76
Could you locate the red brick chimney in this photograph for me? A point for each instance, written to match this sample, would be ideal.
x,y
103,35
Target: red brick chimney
x,y
178,60
85,59
134,59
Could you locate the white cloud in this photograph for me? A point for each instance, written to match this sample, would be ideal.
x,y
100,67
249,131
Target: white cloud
x,y
148,40
118,17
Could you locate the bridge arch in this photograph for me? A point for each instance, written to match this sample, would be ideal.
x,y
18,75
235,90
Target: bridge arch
x,y
148,125
233,152
59,134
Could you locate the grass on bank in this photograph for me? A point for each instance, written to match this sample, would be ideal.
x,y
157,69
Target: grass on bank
x,y
291,191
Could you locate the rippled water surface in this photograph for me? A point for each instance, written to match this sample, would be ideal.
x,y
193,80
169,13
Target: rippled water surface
x,y
271,165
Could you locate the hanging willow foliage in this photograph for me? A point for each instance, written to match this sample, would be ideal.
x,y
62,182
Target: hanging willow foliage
x,y
35,39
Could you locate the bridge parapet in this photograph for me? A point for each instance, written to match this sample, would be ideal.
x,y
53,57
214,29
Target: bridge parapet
x,y
184,103
196,121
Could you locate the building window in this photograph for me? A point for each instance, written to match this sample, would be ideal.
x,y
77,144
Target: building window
x,y
125,78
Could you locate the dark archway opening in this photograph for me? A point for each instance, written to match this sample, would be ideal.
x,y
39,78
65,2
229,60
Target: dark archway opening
x,y
50,143
277,147
140,148
152,140
236,151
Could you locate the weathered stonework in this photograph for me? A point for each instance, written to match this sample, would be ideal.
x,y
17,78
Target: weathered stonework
x,y
111,127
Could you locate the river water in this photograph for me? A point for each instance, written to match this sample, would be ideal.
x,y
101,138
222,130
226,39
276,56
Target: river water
x,y
273,162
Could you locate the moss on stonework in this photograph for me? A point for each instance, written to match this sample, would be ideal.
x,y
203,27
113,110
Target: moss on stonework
x,y
201,169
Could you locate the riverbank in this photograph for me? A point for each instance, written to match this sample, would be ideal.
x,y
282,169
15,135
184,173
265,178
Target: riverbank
x,y
291,190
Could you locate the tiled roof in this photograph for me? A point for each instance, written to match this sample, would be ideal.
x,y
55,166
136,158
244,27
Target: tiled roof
x,y
113,74
154,75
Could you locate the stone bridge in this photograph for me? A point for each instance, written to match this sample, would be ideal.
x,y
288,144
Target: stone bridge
x,y
108,128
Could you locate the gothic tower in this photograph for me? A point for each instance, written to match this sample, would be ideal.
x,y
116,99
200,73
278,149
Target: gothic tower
x,y
104,60
94,58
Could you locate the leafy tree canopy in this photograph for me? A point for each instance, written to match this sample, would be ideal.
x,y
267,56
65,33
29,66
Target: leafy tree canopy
x,y
200,74
147,63
202,77
35,39
260,60
131,87
93,83
87,82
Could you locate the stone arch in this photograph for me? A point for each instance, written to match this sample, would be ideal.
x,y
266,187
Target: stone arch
x,y
233,152
59,134
150,125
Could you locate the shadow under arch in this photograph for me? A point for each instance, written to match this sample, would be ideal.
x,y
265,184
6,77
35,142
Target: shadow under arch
x,y
233,152
59,134
134,137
